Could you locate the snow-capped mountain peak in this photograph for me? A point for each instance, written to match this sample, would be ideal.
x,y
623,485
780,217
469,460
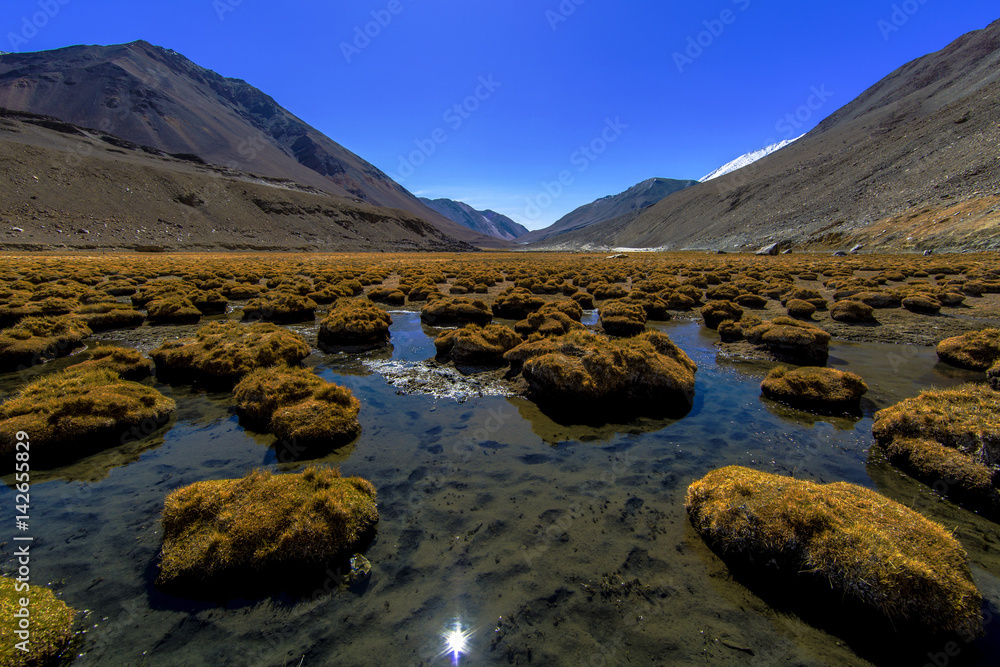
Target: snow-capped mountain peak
x,y
748,159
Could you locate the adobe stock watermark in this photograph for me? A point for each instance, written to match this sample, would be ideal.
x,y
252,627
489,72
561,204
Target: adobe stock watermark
x,y
790,125
562,13
581,158
454,117
714,28
900,16
223,7
363,35
33,23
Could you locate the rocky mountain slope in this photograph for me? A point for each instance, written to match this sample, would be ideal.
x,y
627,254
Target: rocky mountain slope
x,y
488,223
66,187
636,198
913,163
156,97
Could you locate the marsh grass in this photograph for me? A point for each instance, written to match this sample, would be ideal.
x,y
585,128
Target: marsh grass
x,y
263,530
949,439
824,390
224,352
976,350
75,412
296,404
355,322
865,547
35,339
51,625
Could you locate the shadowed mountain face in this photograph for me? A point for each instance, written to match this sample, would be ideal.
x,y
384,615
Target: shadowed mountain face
x,y
634,199
488,223
64,186
156,97
911,164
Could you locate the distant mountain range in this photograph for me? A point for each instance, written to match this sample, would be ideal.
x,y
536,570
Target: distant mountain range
x,y
488,223
747,159
912,164
636,198
156,97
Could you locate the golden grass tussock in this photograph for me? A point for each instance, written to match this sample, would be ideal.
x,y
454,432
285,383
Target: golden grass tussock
x,y
800,308
172,310
648,371
108,316
850,311
976,350
716,312
51,629
127,362
993,376
263,526
814,388
450,311
949,439
226,351
878,553
923,304
36,339
622,318
475,345
791,340
283,307
355,322
296,404
69,414
517,303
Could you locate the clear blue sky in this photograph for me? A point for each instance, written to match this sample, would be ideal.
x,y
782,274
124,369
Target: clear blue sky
x,y
561,69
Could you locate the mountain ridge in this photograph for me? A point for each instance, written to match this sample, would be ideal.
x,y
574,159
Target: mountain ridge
x,y
911,164
639,196
487,222
154,96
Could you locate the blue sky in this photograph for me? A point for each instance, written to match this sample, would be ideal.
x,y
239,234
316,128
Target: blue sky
x,y
600,94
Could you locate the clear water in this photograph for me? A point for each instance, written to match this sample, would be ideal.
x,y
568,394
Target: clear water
x,y
543,542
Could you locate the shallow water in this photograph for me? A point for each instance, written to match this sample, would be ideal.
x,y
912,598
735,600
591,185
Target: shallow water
x,y
547,542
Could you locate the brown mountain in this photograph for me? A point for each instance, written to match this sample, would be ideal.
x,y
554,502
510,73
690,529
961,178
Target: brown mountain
x,y
636,198
63,186
912,163
156,97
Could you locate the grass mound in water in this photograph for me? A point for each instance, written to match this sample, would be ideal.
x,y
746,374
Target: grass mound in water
x,y
825,390
35,339
224,352
949,439
621,318
849,311
647,372
280,307
867,548
262,527
73,413
355,322
296,404
792,340
456,310
976,350
127,362
51,625
477,345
